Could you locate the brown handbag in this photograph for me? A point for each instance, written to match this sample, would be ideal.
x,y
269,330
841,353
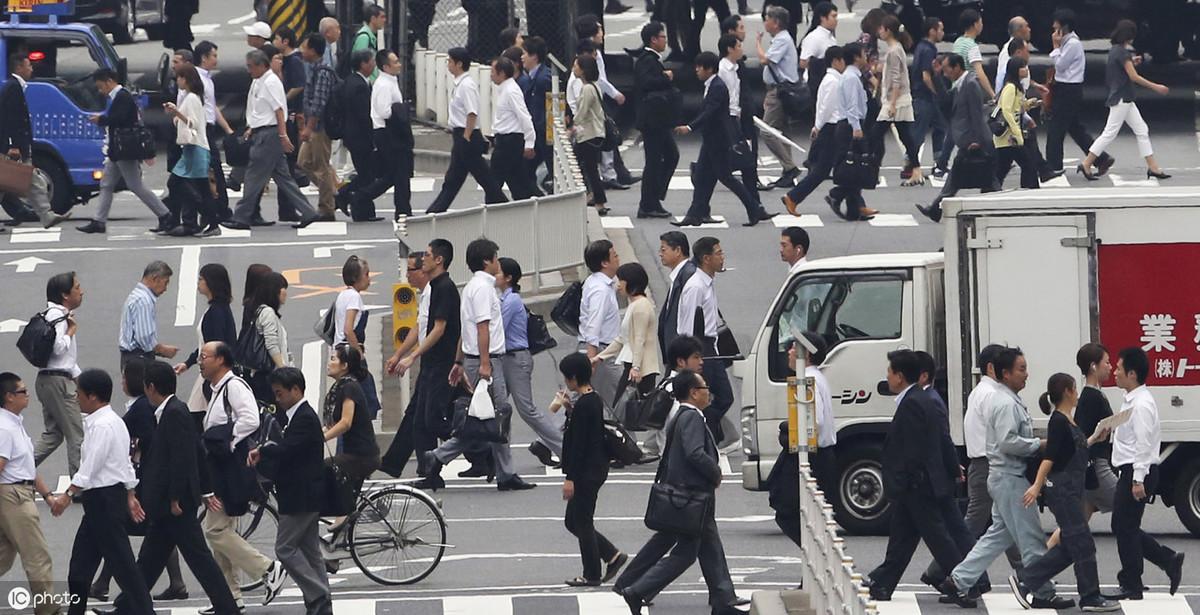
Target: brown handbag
x,y
15,177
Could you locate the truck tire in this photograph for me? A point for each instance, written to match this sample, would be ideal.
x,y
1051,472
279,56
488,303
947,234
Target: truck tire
x,y
58,183
859,505
1187,496
125,24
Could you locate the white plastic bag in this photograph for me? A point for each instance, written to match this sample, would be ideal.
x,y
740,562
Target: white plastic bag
x,y
481,401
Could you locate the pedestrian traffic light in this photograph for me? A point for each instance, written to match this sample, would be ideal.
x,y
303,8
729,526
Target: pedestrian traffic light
x,y
404,311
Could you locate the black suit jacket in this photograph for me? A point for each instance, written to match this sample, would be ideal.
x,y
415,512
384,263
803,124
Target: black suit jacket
x,y
914,461
172,469
217,325
658,100
358,130
713,123
668,316
299,484
15,129
122,113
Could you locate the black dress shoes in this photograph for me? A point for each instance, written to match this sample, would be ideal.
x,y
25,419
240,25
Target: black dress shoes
x,y
258,221
658,213
92,227
235,225
305,223
632,600
612,184
687,222
931,212
1123,593
761,215
172,593
1175,572
516,483
543,454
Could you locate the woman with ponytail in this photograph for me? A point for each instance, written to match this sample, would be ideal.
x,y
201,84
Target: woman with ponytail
x,y
1062,475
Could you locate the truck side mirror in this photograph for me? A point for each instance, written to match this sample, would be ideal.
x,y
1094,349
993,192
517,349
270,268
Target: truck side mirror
x,y
883,389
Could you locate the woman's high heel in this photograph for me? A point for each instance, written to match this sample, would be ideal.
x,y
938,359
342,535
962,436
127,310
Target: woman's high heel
x,y
1088,174
1158,175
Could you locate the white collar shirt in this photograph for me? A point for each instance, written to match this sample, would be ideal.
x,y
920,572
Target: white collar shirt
x,y
826,427
64,355
481,303
796,266
116,90
384,94
512,115
814,44
1069,62
829,100
574,88
266,96
464,101
291,412
242,406
159,410
599,314
210,95
1137,441
16,449
606,86
423,315
900,397
975,419
104,454
20,81
698,294
728,72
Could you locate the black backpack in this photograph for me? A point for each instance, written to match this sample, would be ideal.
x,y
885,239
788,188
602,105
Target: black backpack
x,y
566,311
333,119
538,334
37,339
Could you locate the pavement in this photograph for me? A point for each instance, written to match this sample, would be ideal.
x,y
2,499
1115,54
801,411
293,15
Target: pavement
x,y
510,551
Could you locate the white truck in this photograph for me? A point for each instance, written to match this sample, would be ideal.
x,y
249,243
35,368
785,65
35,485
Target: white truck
x,y
1046,270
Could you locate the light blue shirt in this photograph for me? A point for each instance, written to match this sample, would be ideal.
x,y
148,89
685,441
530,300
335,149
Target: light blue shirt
x,y
1010,440
139,327
516,321
782,60
854,97
1068,59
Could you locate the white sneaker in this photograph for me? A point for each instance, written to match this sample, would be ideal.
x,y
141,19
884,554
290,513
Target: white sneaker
x,y
273,581
212,610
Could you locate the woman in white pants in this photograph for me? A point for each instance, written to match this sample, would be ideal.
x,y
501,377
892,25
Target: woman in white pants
x,y
1120,75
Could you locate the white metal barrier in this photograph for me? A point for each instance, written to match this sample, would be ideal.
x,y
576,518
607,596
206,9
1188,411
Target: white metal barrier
x,y
435,84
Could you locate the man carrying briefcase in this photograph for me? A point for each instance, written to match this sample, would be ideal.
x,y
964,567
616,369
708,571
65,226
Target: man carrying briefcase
x,y
22,189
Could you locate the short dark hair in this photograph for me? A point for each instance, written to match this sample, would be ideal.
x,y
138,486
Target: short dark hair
x,y
536,46
442,248
16,58
356,365
511,268
8,385
505,66
705,246
316,42
59,285
576,366
480,251
95,382
1134,359
216,276
684,383
1015,45
1006,360
682,348
508,36
851,52
928,364
987,356
651,30
1125,32
1065,19
587,26
105,74
1089,354
726,42
267,291
707,60
956,61
204,49
730,24
905,363
796,236
353,270
930,23
585,45
589,67
360,58
224,351
371,11
833,53
287,377
160,375
596,254
287,35
635,278
967,19
461,56
381,57
677,240
135,376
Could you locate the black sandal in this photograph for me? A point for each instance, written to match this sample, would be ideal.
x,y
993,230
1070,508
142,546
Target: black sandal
x,y
581,582
614,567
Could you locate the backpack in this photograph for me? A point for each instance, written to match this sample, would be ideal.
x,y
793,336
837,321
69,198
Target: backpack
x,y
566,310
37,339
333,118
538,334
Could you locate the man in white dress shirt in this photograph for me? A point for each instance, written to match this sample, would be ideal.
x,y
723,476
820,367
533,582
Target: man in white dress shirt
x,y
793,248
1069,64
1136,444
823,149
394,162
466,152
513,127
206,62
600,316
104,483
700,316
56,382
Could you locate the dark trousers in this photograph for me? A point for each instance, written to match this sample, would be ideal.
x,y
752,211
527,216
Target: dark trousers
x,y
749,133
432,421
958,179
915,518
699,14
508,165
662,156
216,138
466,157
912,147
1076,546
963,538
653,569
789,524
392,168
843,138
822,157
1133,544
362,155
673,13
721,390
930,121
593,546
1006,156
192,198
588,155
104,509
401,449
163,536
711,167
1064,120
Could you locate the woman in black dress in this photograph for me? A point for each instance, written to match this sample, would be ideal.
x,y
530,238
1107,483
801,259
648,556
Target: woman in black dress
x,y
585,466
346,417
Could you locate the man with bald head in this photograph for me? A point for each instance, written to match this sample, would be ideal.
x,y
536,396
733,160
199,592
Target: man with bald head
x,y
331,31
1018,27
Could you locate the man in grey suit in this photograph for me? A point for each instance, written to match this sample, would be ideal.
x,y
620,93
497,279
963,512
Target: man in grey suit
x,y
691,462
969,129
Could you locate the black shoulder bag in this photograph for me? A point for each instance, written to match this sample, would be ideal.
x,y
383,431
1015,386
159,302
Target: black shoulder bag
x,y
792,94
673,509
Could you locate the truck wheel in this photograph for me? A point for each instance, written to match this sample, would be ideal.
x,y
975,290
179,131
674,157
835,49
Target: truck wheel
x,y
58,184
859,504
1187,496
126,24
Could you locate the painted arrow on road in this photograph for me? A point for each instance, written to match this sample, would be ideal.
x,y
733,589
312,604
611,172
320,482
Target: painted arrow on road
x,y
28,264
327,251
12,325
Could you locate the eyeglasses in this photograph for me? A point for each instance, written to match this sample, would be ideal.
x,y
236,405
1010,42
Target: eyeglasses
x,y
21,392
702,388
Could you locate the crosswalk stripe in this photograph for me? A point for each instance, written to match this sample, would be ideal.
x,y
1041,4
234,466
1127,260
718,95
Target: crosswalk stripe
x,y
902,603
34,235
1000,601
803,220
1120,182
1057,182
680,183
616,222
355,607
893,220
473,605
323,228
1157,604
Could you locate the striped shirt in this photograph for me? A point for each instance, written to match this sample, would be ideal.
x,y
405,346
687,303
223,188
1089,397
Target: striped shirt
x,y
139,328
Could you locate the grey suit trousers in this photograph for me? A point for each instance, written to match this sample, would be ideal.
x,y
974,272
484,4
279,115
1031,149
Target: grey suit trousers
x,y
518,379
131,172
650,572
298,547
268,162
62,418
502,454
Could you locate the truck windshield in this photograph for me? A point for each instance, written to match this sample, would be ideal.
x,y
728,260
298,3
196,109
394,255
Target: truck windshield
x,y
67,60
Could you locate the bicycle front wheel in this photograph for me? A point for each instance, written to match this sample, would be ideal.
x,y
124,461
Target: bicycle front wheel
x,y
397,536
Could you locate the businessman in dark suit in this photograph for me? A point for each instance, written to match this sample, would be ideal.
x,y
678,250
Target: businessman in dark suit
x,y
171,485
16,140
656,109
297,465
358,132
674,252
691,462
539,84
918,471
715,162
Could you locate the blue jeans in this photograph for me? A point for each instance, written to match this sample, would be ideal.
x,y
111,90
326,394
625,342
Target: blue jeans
x,y
1011,522
929,117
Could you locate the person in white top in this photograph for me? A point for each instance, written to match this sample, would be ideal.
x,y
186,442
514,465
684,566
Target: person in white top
x,y
468,147
104,484
55,383
394,155
480,356
350,316
205,54
266,130
612,167
1136,443
828,113
700,316
1069,65
600,316
1017,28
819,38
21,533
513,127
188,181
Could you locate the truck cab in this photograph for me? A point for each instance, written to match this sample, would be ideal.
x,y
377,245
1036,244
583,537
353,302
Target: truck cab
x,y
67,148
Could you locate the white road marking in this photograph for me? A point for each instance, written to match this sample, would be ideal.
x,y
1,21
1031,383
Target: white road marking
x,y
803,220
905,603
235,233
323,228
473,605
616,222
164,245
185,285
34,235
1156,604
893,220
12,325
680,182
1057,182
604,603
28,264
206,28
251,16
353,607
313,367
421,184
1120,182
1000,602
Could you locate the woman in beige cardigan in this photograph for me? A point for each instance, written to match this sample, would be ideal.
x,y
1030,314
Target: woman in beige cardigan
x,y
637,344
588,128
